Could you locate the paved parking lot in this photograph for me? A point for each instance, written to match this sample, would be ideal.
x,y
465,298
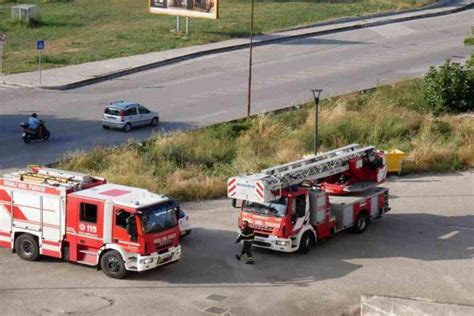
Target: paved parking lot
x,y
424,248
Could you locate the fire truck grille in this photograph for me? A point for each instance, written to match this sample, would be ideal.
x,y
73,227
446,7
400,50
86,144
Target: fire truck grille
x,y
262,244
261,235
159,246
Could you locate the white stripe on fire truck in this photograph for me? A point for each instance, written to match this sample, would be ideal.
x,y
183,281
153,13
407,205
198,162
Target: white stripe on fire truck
x,y
4,238
51,247
85,236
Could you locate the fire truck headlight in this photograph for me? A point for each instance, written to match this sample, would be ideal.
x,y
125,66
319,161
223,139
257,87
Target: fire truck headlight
x,y
282,243
146,261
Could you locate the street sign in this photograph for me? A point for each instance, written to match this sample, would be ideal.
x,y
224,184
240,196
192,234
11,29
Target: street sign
x,y
39,47
40,44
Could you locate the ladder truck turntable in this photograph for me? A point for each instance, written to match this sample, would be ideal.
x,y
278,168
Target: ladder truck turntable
x,y
84,219
292,206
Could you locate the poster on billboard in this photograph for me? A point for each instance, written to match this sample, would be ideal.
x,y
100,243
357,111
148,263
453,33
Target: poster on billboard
x,y
192,8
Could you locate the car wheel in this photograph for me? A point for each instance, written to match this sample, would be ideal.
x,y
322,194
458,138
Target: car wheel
x,y
27,247
361,223
154,121
127,128
105,127
112,264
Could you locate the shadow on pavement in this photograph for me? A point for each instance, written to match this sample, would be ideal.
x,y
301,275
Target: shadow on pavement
x,y
67,135
208,255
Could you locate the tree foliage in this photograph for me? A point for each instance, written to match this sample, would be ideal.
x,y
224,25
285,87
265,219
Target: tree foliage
x,y
449,88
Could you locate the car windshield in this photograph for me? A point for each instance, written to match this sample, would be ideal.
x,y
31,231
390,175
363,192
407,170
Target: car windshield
x,y
112,111
159,217
276,208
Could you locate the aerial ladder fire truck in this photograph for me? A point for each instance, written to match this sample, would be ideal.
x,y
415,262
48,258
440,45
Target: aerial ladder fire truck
x,y
84,219
292,206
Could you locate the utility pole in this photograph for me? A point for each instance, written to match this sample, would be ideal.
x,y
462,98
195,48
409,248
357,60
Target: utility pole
x,y
316,95
249,92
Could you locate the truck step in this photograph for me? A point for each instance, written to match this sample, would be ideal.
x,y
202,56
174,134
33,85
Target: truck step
x,y
86,263
91,253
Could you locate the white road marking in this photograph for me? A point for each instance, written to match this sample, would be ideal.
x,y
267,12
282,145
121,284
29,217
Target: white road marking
x,y
213,114
449,235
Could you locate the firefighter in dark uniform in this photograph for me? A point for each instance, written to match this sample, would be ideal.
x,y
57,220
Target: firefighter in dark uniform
x,y
246,235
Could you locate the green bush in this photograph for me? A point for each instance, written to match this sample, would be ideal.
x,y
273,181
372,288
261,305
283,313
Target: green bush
x,y
449,88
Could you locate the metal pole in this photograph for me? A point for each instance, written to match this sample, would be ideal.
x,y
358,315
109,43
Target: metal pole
x,y
1,58
187,25
316,94
39,59
178,24
249,93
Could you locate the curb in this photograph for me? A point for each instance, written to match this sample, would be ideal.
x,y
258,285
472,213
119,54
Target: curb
x,y
125,72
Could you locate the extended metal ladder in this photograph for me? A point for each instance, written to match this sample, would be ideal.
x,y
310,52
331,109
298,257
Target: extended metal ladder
x,y
312,168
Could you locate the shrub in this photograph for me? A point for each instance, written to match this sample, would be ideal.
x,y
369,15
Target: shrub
x,y
449,88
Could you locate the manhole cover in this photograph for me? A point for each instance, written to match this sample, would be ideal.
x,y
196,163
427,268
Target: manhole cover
x,y
217,298
216,310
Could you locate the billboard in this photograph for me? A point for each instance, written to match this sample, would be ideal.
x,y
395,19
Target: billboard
x,y
193,8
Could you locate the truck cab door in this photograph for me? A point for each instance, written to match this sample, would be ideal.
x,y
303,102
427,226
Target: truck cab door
x,y
124,223
89,230
298,208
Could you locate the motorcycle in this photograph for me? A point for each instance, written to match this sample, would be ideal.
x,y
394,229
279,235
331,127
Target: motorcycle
x,y
33,134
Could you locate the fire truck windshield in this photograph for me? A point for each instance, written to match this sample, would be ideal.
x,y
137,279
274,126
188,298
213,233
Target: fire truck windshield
x,y
276,208
159,217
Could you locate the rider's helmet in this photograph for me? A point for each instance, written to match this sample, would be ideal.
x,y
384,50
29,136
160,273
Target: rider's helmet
x,y
34,115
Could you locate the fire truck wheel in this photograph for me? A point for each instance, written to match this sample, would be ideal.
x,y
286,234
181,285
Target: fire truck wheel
x,y
27,247
305,243
112,264
361,223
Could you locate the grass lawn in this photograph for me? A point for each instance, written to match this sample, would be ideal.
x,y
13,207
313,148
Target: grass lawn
x,y
196,164
87,30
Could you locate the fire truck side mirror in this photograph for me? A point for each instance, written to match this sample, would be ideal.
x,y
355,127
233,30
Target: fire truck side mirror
x,y
237,203
132,228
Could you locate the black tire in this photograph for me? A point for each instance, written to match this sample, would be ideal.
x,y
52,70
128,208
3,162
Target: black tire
x,y
105,127
361,224
127,127
27,139
27,247
305,243
46,135
155,121
113,265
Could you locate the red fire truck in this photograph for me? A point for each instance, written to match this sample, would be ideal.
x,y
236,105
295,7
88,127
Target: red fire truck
x,y
84,219
292,206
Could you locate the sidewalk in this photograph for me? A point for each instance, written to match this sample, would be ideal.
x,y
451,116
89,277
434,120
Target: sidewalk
x,y
75,76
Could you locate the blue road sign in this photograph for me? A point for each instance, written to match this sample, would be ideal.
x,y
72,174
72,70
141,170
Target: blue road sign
x,y
40,44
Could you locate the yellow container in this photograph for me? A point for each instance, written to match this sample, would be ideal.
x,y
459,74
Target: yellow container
x,y
394,160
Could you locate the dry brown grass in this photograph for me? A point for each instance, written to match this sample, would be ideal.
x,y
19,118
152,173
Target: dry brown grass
x,y
196,164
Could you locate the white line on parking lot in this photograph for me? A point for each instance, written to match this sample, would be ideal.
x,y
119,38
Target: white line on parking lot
x,y
449,235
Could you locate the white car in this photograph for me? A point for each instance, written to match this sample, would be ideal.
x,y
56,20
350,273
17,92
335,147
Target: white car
x,y
125,115
184,224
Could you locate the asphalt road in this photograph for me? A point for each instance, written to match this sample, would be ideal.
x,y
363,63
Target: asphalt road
x,y
423,248
213,89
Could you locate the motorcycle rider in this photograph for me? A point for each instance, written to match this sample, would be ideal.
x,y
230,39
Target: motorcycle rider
x,y
34,122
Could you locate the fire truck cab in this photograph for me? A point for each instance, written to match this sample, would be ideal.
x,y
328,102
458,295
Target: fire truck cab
x,y
83,219
290,208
